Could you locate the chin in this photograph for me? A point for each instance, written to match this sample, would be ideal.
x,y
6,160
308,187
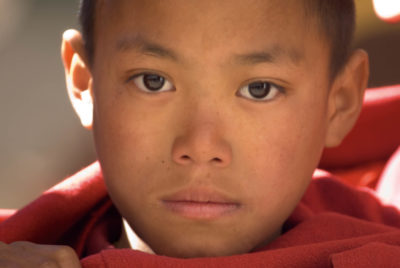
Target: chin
x,y
201,251
198,253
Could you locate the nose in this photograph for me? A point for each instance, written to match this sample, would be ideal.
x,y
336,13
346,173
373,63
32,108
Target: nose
x,y
202,144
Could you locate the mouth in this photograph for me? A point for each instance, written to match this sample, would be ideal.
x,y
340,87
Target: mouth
x,y
200,204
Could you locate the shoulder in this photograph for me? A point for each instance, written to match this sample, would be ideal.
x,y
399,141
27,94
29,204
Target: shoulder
x,y
328,194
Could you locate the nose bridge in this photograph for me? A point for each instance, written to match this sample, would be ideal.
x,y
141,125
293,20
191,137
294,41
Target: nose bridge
x,y
201,139
203,105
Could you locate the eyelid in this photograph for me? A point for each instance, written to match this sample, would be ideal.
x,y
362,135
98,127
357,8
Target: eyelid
x,y
131,74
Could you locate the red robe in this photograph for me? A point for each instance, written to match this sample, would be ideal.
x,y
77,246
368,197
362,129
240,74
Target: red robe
x,y
334,225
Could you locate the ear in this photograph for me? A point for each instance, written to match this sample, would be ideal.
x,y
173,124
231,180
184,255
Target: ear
x,y
346,97
78,76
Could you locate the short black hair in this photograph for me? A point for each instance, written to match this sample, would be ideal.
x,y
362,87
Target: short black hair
x,y
87,17
337,23
335,17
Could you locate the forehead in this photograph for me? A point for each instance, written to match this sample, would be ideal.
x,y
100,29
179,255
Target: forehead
x,y
207,26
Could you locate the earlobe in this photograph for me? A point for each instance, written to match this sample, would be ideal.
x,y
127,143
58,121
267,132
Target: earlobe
x,y
78,76
346,97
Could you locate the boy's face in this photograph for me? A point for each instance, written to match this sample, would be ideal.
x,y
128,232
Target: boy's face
x,y
209,118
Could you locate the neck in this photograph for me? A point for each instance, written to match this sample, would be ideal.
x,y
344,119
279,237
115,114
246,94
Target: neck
x,y
129,239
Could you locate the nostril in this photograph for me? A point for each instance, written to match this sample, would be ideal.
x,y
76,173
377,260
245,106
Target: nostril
x,y
217,160
185,159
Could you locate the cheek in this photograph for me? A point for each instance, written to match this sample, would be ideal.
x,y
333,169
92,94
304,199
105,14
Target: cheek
x,y
126,127
282,159
128,143
275,162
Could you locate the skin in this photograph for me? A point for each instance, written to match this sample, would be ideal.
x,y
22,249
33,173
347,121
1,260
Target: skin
x,y
204,132
26,254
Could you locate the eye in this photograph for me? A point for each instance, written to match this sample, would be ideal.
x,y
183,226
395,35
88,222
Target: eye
x,y
152,83
260,91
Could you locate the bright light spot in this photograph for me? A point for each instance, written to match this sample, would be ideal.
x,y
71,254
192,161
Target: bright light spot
x,y
387,9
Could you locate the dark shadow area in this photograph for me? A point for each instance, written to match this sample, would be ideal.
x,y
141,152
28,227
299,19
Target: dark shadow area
x,y
384,52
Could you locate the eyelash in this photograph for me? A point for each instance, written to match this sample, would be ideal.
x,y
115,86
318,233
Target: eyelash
x,y
138,80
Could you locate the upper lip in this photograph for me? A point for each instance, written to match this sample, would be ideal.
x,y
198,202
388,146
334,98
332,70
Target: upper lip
x,y
200,195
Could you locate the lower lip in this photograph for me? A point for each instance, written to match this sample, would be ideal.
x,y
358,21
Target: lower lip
x,y
201,210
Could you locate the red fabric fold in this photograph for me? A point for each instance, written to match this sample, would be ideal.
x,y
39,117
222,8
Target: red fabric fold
x,y
46,219
371,255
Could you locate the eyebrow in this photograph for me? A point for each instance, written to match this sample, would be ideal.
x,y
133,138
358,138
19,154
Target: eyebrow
x,y
145,46
148,47
255,58
273,55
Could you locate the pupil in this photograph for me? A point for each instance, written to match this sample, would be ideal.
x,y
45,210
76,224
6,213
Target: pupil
x,y
259,89
153,81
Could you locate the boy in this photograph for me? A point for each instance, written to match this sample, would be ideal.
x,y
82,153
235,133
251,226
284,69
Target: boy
x,y
209,119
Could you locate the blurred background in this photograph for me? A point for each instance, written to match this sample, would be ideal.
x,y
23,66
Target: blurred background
x,y
41,140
